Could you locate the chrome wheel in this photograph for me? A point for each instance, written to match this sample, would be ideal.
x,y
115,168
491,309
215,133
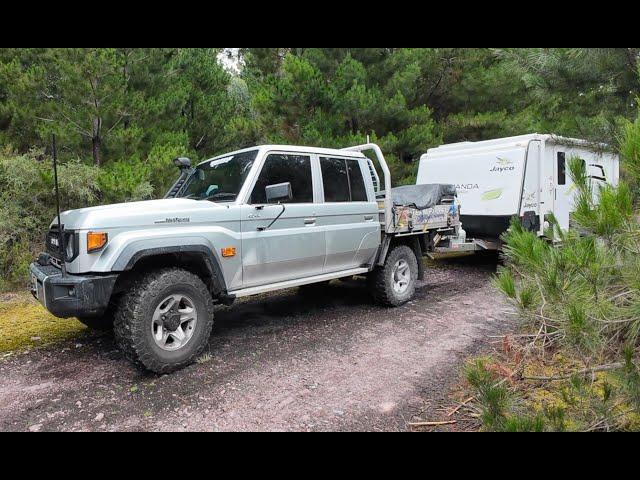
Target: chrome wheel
x,y
401,276
174,322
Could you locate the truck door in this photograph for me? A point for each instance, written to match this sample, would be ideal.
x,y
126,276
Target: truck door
x,y
349,213
293,246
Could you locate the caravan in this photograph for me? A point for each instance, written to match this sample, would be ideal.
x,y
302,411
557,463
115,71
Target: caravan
x,y
525,176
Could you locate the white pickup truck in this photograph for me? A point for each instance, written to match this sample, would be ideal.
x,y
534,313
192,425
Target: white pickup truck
x,y
252,221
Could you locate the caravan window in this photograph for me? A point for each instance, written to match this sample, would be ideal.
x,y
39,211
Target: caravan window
x,y
562,169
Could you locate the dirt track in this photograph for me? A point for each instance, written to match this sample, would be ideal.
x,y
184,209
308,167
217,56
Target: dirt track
x,y
277,362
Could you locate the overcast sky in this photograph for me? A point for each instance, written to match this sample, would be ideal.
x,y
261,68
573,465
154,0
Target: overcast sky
x,y
229,58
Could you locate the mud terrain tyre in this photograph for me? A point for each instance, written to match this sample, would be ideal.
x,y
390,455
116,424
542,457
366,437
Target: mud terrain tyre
x,y
165,320
394,284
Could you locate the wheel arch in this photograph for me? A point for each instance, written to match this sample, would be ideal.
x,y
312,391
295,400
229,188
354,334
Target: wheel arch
x,y
418,243
198,259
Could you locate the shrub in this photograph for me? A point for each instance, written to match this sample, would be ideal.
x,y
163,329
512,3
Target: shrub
x,y
27,205
583,298
121,181
27,201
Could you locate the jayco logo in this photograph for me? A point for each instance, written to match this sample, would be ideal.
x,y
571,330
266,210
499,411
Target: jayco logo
x,y
503,165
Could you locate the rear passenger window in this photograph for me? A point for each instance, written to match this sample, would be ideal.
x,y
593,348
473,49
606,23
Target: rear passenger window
x,y
358,192
280,168
335,180
342,180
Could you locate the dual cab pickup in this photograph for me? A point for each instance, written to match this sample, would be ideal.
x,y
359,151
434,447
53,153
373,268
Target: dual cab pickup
x,y
256,220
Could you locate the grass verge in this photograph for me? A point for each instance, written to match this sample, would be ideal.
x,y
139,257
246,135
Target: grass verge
x,y
24,324
516,388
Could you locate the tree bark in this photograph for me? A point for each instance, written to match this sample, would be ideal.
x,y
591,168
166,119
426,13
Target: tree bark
x,y
96,140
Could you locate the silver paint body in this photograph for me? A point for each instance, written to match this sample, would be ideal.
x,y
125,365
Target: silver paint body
x,y
316,239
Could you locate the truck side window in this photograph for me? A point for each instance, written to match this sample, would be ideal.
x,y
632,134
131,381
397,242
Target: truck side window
x,y
562,169
342,180
280,168
358,191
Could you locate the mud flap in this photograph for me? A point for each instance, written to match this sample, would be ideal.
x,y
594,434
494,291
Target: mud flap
x,y
417,249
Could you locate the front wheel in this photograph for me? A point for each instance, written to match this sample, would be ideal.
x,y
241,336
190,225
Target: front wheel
x,y
165,320
394,283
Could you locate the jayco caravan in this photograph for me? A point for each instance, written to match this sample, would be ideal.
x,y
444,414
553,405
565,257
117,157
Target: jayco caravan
x,y
525,176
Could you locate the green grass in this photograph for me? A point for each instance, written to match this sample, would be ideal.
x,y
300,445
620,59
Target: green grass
x,y
24,324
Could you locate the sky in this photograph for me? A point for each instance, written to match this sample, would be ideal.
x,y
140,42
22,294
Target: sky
x,y
229,58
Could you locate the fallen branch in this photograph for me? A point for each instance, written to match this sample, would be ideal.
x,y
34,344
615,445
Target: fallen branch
x,y
432,424
455,410
601,368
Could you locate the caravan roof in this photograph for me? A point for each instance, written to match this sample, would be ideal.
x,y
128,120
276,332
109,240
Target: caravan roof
x,y
511,142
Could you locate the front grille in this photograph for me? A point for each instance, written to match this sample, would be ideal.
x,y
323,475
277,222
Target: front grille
x,y
54,243
56,262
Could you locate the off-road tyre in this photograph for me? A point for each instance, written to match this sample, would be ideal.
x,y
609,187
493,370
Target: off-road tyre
x,y
381,280
133,320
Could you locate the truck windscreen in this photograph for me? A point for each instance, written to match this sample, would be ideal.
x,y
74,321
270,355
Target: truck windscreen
x,y
220,179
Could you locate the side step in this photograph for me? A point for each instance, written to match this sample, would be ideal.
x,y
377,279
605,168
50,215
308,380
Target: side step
x,y
245,292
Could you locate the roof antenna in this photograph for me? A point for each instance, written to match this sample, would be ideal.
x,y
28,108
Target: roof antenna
x,y
60,232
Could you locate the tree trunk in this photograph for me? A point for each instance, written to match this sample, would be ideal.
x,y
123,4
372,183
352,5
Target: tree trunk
x,y
96,140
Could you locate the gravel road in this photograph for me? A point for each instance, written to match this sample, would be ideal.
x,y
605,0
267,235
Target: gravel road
x,y
282,361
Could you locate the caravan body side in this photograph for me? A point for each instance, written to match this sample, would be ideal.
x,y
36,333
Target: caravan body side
x,y
516,176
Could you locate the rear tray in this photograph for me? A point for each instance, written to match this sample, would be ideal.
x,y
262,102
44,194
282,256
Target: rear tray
x,y
419,208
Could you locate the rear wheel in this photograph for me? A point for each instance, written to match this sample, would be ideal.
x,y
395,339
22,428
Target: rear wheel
x,y
394,283
165,320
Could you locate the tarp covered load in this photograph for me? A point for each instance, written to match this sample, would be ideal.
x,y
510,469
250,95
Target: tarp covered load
x,y
420,196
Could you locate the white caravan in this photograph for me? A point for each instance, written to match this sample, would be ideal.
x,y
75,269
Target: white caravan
x,y
525,176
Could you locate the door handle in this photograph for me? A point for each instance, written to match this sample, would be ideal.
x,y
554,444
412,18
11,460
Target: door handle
x,y
310,221
368,218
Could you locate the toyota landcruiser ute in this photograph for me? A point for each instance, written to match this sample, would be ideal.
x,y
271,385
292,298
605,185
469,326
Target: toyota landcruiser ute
x,y
252,221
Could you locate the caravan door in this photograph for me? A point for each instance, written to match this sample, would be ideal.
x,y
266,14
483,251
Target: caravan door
x,y
563,192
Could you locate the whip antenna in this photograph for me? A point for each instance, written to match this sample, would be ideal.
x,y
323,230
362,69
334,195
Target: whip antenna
x,y
60,232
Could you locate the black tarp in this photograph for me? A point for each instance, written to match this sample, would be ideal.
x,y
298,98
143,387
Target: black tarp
x,y
420,196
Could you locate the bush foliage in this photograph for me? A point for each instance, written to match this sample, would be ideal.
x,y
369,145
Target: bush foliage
x,y
27,201
121,114
582,297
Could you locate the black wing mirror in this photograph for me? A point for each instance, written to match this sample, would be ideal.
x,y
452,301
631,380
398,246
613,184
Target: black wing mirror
x,y
278,192
183,163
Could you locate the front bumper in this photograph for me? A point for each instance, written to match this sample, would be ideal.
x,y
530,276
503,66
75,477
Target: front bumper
x,y
71,295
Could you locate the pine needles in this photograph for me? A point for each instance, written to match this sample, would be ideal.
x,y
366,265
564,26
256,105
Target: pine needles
x,y
581,301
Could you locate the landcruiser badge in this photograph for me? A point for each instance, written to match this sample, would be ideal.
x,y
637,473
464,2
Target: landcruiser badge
x,y
174,220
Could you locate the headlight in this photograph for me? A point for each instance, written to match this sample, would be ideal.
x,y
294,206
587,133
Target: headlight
x,y
96,241
69,246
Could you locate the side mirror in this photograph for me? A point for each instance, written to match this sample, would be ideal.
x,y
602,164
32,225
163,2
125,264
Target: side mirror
x,y
278,192
183,163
